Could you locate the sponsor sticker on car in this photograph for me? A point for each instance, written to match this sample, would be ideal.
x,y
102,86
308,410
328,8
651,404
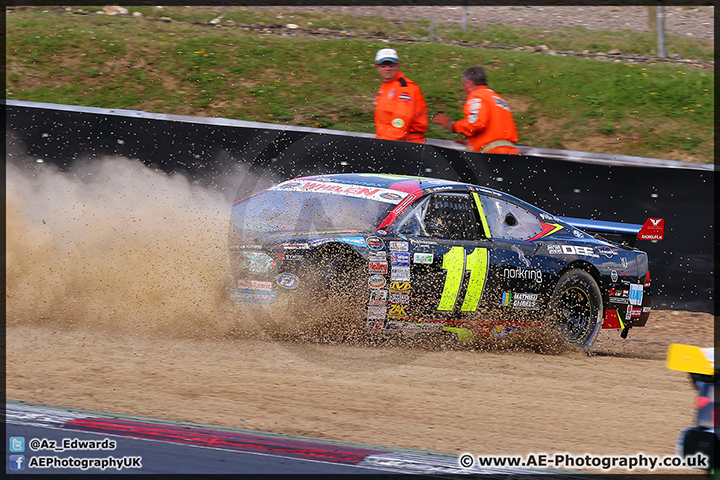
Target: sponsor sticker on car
x,y
391,196
636,294
398,246
296,246
288,280
653,229
617,292
376,312
337,188
607,251
572,250
424,258
376,281
527,301
378,296
377,256
400,273
255,262
632,312
253,296
374,326
397,311
379,267
400,287
523,274
400,259
375,243
254,285
400,298
356,241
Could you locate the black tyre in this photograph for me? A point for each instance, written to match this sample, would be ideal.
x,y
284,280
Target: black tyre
x,y
334,301
575,310
336,271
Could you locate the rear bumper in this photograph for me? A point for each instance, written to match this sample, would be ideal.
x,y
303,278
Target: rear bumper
x,y
625,316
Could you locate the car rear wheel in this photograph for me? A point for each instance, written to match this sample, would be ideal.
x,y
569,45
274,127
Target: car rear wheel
x,y
575,310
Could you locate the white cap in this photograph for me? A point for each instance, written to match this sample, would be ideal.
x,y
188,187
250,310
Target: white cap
x,y
386,55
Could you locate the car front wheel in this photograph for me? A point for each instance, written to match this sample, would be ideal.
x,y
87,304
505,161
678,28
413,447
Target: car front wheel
x,y
333,303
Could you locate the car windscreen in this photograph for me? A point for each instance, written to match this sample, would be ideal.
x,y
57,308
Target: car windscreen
x,y
311,206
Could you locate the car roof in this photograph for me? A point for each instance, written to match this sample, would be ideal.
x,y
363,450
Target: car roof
x,y
404,183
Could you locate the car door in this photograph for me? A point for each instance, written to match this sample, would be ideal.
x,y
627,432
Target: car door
x,y
447,259
519,273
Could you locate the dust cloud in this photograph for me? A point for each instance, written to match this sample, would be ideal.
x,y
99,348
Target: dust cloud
x,y
116,244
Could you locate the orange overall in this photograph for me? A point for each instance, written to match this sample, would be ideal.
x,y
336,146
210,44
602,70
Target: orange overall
x,y
488,120
400,111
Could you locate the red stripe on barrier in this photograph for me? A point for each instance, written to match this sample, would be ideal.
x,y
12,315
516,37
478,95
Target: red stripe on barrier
x,y
225,440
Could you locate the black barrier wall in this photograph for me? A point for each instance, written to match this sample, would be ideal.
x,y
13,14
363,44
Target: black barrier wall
x,y
206,150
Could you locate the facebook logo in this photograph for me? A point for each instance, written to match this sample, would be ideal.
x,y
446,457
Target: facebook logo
x,y
17,462
17,444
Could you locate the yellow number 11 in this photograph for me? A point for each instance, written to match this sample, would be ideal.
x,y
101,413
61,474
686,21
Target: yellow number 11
x,y
455,262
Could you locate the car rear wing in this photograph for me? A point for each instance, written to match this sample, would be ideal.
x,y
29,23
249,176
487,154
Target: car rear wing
x,y
652,229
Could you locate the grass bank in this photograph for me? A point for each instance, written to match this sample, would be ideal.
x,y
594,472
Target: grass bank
x,y
327,80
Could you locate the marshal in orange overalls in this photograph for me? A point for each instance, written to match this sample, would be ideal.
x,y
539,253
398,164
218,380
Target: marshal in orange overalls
x,y
400,111
487,119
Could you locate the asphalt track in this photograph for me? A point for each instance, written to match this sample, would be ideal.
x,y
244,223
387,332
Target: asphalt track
x,y
163,457
153,446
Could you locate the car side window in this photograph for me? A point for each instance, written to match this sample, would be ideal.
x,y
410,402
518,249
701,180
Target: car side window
x,y
451,216
508,220
410,222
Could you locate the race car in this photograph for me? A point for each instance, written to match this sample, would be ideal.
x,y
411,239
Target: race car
x,y
701,437
415,254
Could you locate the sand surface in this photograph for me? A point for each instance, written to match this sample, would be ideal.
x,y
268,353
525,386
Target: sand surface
x,y
620,401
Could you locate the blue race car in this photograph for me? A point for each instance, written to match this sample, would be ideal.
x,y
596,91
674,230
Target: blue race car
x,y
393,253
